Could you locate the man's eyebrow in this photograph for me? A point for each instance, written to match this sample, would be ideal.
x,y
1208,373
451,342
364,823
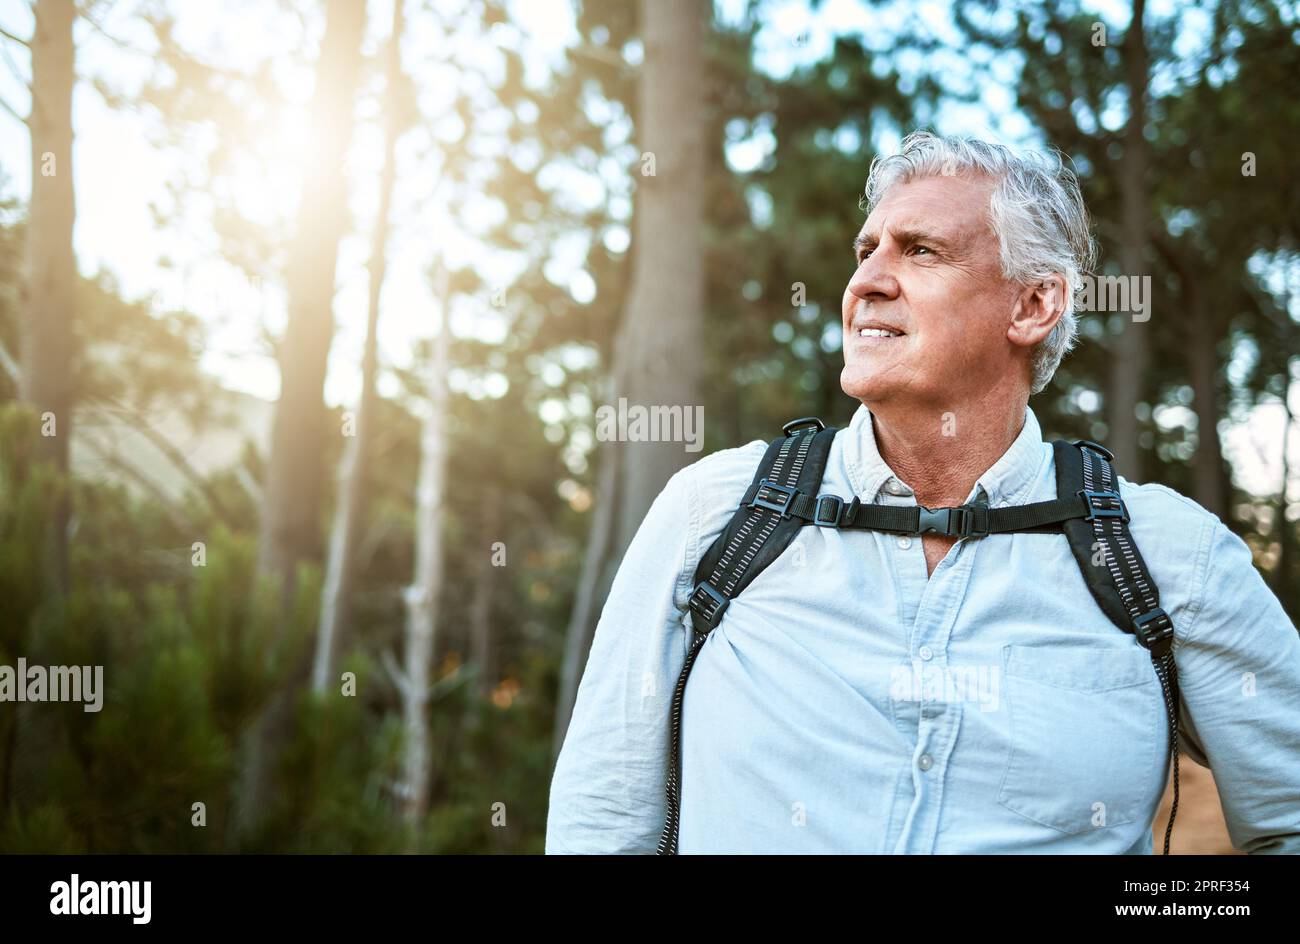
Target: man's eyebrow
x,y
907,235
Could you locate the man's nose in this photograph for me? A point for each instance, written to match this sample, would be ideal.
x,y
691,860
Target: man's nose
x,y
875,276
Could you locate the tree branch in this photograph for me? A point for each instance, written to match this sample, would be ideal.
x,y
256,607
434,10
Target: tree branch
x,y
99,28
603,55
17,39
10,108
170,451
111,456
10,365
395,672
13,67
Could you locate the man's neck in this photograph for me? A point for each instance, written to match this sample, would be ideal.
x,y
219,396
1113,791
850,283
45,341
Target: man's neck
x,y
941,453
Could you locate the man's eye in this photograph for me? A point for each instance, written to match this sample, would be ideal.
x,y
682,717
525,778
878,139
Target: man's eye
x,y
926,248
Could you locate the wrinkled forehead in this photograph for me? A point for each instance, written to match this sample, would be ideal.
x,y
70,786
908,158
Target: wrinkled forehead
x,y
955,206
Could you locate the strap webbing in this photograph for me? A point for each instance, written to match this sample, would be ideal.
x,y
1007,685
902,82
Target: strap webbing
x,y
972,520
1118,578
755,536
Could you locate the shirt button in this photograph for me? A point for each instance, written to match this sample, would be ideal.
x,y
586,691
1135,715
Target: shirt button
x,y
926,653
895,487
904,543
926,762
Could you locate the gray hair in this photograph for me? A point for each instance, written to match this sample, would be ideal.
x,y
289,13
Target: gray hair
x,y
1036,210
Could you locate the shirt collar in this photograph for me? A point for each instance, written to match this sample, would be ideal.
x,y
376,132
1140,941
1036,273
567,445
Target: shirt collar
x,y
1007,482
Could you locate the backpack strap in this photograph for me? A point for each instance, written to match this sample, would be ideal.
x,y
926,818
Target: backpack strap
x,y
972,520
1115,572
762,526
758,532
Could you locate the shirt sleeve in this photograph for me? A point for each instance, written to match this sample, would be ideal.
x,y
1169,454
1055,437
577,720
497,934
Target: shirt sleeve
x,y
1239,678
608,789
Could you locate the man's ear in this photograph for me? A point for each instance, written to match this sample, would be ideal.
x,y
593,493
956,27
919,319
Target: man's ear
x,y
1037,310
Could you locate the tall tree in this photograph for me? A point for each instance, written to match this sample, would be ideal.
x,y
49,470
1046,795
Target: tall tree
x,y
350,514
1129,348
657,355
423,595
294,473
292,494
1288,332
1218,156
51,269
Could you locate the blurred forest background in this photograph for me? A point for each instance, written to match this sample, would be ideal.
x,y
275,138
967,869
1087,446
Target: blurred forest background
x,y
306,307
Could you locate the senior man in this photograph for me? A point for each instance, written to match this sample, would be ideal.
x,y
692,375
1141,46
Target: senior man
x,y
812,721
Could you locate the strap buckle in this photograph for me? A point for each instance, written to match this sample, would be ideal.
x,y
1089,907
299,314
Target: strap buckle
x,y
828,518
960,522
789,427
1097,448
708,603
781,507
1154,629
974,522
1113,506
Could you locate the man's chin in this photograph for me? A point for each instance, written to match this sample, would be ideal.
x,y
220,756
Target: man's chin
x,y
862,384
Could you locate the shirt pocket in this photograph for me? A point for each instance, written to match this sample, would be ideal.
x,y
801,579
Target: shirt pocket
x,y
1085,725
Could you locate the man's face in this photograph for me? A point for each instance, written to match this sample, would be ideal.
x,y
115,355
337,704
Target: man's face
x,y
929,271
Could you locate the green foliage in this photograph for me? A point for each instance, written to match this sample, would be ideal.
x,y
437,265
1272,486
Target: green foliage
x,y
189,655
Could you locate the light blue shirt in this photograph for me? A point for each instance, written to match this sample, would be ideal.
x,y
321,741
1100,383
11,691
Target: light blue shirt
x,y
848,704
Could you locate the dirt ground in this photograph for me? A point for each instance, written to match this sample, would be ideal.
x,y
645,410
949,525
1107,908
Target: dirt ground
x,y
1200,828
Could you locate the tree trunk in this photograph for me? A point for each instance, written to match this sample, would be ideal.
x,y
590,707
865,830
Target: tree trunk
x,y
51,267
1283,585
426,586
1209,482
657,358
1129,350
1200,335
593,587
350,515
294,472
1283,582
481,649
291,497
